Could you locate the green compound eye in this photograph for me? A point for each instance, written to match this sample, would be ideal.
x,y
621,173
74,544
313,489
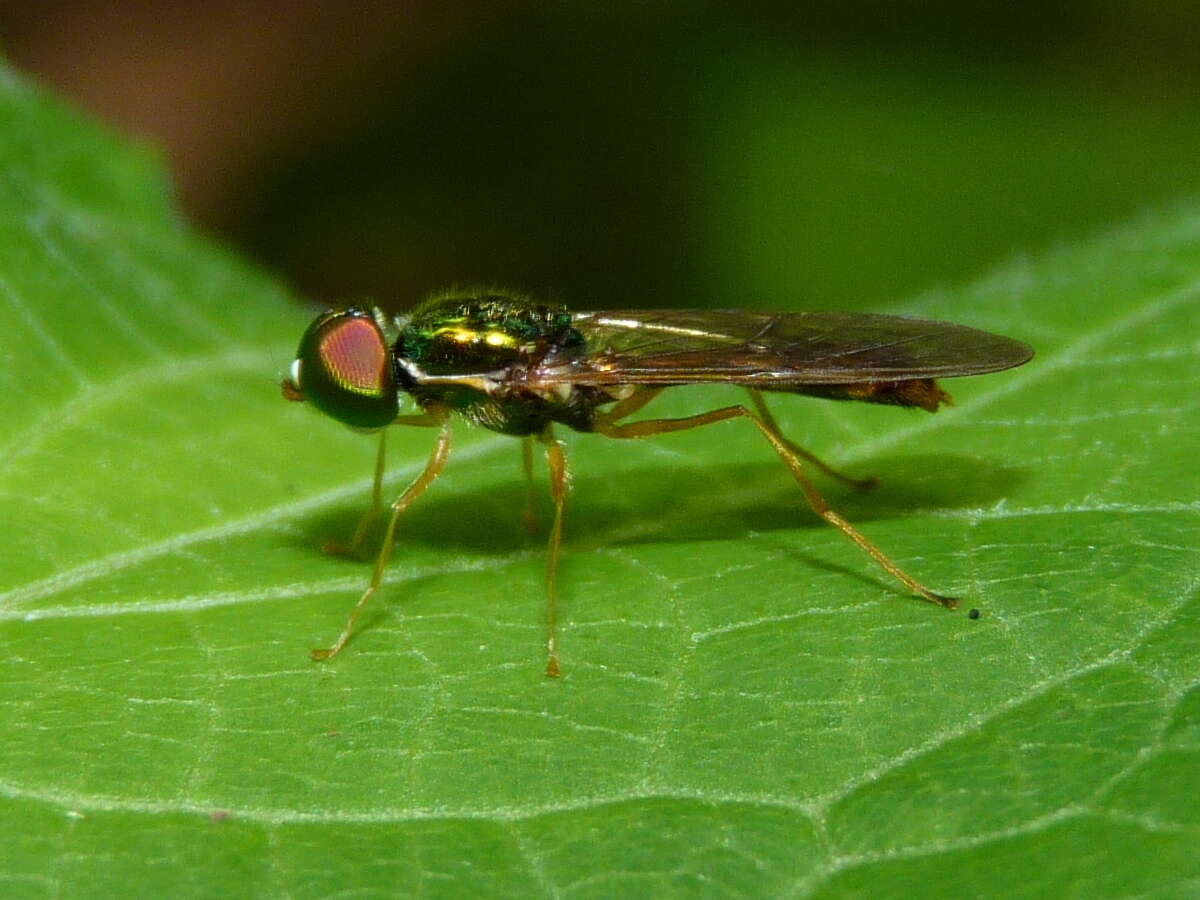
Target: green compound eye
x,y
344,367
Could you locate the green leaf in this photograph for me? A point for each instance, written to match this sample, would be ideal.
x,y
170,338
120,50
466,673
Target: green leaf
x,y
749,706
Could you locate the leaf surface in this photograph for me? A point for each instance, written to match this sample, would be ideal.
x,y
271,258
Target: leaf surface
x,y
749,706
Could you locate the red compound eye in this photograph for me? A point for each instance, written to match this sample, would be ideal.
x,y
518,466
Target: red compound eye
x,y
344,368
354,354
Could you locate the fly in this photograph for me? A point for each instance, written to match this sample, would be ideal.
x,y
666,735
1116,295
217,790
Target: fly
x,y
519,367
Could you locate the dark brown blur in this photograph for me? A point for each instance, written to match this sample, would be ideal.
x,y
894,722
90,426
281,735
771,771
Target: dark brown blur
x,y
660,154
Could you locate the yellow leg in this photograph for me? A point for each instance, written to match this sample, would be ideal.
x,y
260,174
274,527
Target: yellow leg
x,y
437,462
624,408
529,513
338,548
556,458
760,405
790,458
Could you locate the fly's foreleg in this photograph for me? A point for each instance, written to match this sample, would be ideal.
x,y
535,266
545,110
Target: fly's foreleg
x,y
556,459
338,548
437,462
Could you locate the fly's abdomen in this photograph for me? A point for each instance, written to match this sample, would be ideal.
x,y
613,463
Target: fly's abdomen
x,y
923,393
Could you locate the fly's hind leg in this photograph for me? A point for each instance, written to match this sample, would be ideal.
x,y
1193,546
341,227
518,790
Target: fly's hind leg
x,y
437,462
760,406
610,427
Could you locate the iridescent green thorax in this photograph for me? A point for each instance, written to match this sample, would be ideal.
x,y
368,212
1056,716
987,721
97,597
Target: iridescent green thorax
x,y
458,335
500,339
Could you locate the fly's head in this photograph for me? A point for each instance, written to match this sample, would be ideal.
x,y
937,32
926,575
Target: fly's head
x,y
344,367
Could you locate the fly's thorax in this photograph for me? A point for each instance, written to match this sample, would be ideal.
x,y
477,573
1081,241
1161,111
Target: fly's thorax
x,y
475,352
519,411
485,334
512,408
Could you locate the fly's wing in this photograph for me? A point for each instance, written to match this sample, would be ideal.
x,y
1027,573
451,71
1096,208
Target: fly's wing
x,y
773,350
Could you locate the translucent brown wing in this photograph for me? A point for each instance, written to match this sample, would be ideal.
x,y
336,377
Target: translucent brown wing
x,y
774,350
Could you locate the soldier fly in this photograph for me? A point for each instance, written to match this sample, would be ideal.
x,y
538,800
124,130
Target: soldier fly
x,y
520,367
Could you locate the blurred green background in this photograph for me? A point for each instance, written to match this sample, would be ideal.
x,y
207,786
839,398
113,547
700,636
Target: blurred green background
x,y
663,154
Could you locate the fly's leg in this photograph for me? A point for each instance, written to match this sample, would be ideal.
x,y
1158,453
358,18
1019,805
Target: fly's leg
x,y
529,513
624,408
760,406
338,548
556,459
437,462
790,458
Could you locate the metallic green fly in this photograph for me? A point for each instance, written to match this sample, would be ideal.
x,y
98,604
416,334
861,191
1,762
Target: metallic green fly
x,y
519,367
